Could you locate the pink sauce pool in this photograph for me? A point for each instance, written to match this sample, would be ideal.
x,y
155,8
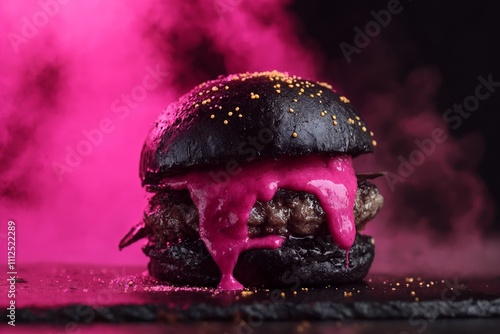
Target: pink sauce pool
x,y
224,203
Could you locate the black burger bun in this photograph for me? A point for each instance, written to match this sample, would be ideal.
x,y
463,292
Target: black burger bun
x,y
212,124
305,262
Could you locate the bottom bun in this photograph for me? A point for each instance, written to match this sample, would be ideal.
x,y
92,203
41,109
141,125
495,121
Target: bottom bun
x,y
304,262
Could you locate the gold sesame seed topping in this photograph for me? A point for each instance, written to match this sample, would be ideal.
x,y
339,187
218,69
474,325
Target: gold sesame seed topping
x,y
297,85
363,129
291,86
291,110
335,123
323,114
294,135
200,93
254,96
237,108
214,89
294,100
212,116
302,90
359,123
344,99
226,87
311,95
230,113
324,84
226,121
196,105
240,115
278,91
357,117
371,133
278,85
220,107
412,293
334,117
374,142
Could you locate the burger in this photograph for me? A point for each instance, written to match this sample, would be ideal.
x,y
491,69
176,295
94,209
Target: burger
x,y
251,183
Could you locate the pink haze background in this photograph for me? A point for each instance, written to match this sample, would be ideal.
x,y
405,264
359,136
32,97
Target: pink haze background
x,y
82,69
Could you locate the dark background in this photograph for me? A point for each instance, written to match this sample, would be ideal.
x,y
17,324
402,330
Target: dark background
x,y
459,39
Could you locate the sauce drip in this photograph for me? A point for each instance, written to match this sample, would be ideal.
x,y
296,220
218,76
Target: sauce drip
x,y
224,203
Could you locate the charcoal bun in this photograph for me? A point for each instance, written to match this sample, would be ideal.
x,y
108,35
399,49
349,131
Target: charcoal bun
x,y
305,262
217,121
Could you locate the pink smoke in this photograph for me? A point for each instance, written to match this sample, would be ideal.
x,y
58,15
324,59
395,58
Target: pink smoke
x,y
94,75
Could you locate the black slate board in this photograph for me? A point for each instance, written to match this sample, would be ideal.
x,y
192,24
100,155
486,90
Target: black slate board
x,y
58,294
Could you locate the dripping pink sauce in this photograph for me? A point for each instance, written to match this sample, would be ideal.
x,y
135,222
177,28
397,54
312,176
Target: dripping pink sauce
x,y
224,207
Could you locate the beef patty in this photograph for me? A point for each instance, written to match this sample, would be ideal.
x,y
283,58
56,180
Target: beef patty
x,y
172,216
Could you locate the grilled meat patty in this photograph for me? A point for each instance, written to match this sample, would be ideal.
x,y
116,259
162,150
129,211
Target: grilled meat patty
x,y
171,215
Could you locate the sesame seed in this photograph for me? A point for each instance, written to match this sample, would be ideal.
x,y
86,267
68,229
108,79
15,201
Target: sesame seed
x,y
335,123
412,293
344,99
278,91
359,123
214,89
226,121
237,108
357,117
374,142
371,133
334,117
294,135
226,87
240,115
291,110
322,114
363,129
200,93
220,107
311,95
291,86
212,116
196,105
230,113
294,100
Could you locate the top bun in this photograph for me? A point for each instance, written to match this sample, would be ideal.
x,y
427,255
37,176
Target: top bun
x,y
273,113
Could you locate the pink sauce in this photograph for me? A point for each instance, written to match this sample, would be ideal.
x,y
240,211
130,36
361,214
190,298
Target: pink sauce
x,y
224,207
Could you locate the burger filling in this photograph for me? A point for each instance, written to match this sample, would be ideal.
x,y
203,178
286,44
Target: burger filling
x,y
260,206
172,216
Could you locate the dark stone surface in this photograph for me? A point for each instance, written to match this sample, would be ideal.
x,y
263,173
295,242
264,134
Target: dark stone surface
x,y
59,294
